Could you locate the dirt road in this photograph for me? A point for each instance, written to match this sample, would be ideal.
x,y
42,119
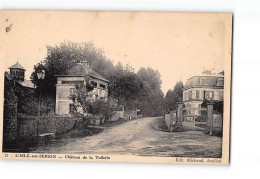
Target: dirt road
x,y
143,138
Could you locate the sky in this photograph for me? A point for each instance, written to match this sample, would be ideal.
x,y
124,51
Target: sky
x,y
178,45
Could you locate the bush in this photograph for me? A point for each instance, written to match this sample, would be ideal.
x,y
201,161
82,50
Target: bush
x,y
103,108
203,117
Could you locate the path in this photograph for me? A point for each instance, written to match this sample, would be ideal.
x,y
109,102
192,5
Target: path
x,y
140,137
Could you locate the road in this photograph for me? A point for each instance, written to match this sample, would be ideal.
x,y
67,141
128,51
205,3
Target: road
x,y
141,137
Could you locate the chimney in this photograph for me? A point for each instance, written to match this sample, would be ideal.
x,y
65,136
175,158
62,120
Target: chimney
x,y
207,72
85,62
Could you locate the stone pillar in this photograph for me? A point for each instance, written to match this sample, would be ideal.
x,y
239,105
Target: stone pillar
x,y
178,127
171,118
209,128
179,113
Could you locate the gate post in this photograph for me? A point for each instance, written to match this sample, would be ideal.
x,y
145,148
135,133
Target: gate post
x,y
178,127
209,127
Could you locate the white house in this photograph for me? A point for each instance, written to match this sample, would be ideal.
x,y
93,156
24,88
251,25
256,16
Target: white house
x,y
76,75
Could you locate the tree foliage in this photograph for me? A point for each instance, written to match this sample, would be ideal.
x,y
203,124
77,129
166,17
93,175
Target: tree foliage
x,y
66,55
174,96
82,98
133,90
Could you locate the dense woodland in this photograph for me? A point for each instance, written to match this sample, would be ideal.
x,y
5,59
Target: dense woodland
x,y
132,89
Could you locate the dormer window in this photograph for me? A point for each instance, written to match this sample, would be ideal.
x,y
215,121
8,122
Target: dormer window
x,y
102,86
203,81
220,82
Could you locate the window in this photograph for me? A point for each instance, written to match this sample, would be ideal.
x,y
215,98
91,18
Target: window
x,y
202,81
102,86
72,108
199,106
209,95
72,90
72,82
220,82
221,95
190,95
197,94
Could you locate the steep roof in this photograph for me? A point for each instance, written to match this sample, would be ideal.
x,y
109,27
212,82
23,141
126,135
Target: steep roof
x,y
26,83
204,81
17,66
83,69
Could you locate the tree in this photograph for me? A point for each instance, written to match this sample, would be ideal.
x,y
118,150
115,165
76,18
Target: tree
x,y
174,96
170,101
151,96
82,98
66,55
125,86
152,77
132,90
178,91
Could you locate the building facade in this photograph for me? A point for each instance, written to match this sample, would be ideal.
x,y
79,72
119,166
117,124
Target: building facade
x,y
197,89
76,75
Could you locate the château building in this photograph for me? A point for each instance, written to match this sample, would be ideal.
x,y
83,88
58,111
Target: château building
x,y
207,86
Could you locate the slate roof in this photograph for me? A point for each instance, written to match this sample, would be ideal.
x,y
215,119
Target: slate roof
x,y
17,66
208,81
83,69
26,83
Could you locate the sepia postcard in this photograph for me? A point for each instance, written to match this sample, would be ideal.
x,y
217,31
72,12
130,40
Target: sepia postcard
x,y
142,87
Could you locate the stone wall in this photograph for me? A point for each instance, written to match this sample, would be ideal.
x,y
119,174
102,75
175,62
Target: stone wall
x,y
124,115
170,119
117,115
29,126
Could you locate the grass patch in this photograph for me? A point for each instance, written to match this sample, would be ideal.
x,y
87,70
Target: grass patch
x,y
160,125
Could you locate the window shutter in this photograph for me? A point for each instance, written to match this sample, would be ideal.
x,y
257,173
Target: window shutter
x,y
197,94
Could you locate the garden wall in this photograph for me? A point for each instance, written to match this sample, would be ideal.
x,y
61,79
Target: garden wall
x,y
217,122
117,115
170,118
124,115
28,126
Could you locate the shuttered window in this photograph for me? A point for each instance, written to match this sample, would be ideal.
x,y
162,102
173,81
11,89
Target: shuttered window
x,y
72,108
190,95
221,95
209,95
197,94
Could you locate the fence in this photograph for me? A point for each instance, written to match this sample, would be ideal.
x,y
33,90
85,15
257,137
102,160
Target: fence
x,y
217,122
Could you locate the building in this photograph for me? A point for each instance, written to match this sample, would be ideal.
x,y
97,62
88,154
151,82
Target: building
x,y
17,73
76,75
18,92
207,86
